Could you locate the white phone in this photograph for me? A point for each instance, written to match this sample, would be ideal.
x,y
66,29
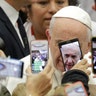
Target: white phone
x,y
76,89
39,55
11,68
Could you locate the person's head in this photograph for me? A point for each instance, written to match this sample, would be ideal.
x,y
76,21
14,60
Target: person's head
x,y
18,4
71,54
40,13
66,26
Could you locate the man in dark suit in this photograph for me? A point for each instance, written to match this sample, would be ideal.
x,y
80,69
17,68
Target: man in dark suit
x,y
16,45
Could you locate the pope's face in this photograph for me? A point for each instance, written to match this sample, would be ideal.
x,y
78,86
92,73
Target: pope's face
x,y
63,30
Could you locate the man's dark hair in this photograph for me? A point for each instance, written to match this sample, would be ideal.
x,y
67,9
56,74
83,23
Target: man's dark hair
x,y
73,2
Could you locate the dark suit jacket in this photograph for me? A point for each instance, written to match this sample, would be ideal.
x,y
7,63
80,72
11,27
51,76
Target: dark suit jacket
x,y
13,46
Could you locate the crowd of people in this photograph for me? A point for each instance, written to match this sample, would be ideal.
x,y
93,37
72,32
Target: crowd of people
x,y
54,21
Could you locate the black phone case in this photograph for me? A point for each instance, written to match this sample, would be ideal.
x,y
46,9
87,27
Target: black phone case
x,y
93,50
69,42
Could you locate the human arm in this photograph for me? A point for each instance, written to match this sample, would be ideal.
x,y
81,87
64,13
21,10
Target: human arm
x,y
39,84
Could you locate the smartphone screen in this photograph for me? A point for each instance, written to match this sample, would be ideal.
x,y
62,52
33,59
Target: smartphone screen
x,y
39,55
70,52
11,68
76,89
94,54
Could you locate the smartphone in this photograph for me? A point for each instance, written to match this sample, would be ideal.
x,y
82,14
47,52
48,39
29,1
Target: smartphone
x,y
11,68
70,52
94,54
76,89
39,55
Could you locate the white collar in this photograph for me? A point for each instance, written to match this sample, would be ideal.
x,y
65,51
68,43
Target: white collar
x,y
11,12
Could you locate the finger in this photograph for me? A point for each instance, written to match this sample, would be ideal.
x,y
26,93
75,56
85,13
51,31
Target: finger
x,y
90,56
90,65
94,76
2,53
51,72
63,73
48,67
28,70
83,62
88,72
80,64
86,66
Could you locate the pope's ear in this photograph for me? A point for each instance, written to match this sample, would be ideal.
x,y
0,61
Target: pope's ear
x,y
48,34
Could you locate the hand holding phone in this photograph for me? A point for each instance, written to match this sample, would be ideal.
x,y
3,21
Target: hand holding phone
x,y
71,53
39,55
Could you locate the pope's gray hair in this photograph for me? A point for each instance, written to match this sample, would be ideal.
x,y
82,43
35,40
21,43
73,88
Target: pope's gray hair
x,y
52,22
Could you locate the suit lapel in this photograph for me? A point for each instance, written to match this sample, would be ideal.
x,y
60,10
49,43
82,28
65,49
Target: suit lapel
x,y
11,29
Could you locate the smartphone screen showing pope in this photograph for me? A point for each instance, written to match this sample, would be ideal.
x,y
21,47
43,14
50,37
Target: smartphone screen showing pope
x,y
70,52
94,54
76,89
39,55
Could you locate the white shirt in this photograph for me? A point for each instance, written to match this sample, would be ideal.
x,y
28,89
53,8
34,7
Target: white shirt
x,y
93,28
28,26
12,14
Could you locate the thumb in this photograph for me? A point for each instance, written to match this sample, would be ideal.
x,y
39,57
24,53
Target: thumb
x,y
28,70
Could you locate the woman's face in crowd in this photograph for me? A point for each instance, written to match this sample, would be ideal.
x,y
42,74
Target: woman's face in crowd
x,y
42,11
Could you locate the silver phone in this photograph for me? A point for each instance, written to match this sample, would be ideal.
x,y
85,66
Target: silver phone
x,y
39,55
11,68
